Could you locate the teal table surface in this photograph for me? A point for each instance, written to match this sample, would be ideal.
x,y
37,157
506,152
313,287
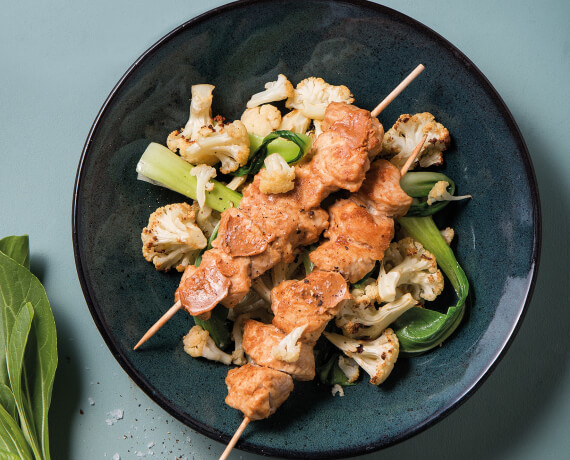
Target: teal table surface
x,y
60,59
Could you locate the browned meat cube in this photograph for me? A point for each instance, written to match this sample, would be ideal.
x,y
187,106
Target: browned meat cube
x,y
313,301
257,391
258,342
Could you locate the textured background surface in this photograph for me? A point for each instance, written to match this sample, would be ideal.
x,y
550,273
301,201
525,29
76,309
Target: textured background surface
x,y
60,61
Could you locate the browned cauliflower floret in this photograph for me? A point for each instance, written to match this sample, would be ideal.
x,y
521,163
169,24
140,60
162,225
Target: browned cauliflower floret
x,y
261,120
172,239
274,91
376,357
296,122
198,344
448,234
439,193
313,95
363,321
408,267
278,176
200,115
400,140
228,143
200,110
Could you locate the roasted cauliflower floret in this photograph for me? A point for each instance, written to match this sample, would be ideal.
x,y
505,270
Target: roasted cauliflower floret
x,y
274,91
278,176
313,95
203,174
368,322
228,143
177,142
200,110
288,349
206,218
376,357
199,344
400,140
439,193
261,120
172,238
296,122
200,115
448,234
350,368
408,267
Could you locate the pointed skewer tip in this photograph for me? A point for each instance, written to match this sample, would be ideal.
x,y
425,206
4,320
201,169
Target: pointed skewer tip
x,y
161,322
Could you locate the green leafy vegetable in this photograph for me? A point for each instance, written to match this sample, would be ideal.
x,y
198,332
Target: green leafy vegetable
x,y
420,329
28,356
326,365
418,184
217,326
18,248
365,278
257,156
160,166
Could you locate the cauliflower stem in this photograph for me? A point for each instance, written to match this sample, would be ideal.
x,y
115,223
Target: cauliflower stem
x,y
160,166
421,329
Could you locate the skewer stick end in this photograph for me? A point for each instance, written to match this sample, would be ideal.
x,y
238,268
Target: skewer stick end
x,y
235,438
397,90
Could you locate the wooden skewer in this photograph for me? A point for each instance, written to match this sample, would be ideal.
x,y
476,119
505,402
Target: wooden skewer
x,y
235,438
397,90
161,322
413,156
246,420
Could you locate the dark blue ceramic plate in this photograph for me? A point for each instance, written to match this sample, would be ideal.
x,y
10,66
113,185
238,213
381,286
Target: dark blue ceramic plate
x,y
370,49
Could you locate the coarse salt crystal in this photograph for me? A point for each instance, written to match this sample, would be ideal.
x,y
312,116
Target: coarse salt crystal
x,y
114,416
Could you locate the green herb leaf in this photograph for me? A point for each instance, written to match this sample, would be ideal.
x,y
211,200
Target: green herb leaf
x,y
15,362
18,248
18,286
7,401
13,445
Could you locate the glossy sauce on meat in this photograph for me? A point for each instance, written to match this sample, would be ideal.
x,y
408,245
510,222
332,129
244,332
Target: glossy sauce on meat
x,y
362,226
257,391
313,301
